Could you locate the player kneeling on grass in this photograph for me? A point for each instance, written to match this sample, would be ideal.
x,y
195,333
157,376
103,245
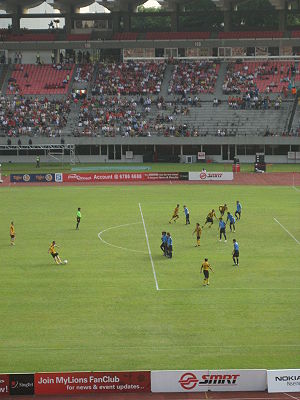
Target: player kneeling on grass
x,y
222,227
54,253
175,215
236,252
164,241
205,267
231,220
169,245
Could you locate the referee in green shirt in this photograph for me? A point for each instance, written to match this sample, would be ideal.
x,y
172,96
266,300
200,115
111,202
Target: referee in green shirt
x,y
78,218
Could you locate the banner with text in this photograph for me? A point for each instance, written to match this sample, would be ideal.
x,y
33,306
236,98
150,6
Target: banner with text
x,y
125,177
210,176
39,178
21,384
4,385
202,381
283,380
91,382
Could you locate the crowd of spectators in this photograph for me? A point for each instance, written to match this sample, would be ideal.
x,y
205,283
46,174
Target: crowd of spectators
x,y
84,73
267,77
128,117
130,78
254,101
194,77
32,116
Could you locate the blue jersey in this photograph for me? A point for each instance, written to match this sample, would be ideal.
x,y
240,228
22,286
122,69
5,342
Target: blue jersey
x,y
186,211
231,218
222,224
239,207
164,238
170,241
236,246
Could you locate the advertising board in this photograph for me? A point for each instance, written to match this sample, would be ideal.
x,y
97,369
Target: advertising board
x,y
210,176
4,385
39,178
204,380
124,177
21,384
285,380
60,383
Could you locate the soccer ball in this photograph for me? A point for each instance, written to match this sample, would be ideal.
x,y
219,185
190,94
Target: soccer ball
x,y
66,262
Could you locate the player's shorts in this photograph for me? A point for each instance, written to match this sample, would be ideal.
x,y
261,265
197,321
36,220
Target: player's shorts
x,y
54,255
208,219
206,273
175,216
198,237
170,248
222,230
12,236
236,253
78,219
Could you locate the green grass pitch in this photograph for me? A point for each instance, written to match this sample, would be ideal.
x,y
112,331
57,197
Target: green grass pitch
x,y
102,311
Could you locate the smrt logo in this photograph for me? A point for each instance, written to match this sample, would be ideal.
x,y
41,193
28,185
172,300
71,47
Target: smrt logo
x,y
203,175
189,381
14,384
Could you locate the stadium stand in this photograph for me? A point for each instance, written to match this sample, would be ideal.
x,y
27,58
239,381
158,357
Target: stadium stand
x,y
40,79
129,78
84,73
78,37
177,35
192,77
295,34
125,36
260,76
30,37
21,116
250,35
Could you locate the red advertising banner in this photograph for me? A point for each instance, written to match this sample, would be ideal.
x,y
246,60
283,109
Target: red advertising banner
x,y
122,177
4,385
91,382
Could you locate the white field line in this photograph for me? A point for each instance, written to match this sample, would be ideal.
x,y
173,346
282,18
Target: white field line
x,y
119,247
289,233
149,250
292,397
297,190
228,288
153,348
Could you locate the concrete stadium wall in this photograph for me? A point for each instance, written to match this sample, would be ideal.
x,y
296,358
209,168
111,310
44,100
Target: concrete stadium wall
x,y
29,56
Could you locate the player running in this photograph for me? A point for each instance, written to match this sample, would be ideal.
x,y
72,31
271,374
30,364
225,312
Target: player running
x,y
222,227
164,241
12,233
222,209
231,220
78,218
205,267
198,232
236,253
210,218
187,215
175,214
54,253
238,210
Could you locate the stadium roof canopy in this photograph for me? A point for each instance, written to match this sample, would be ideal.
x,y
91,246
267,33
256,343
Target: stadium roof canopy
x,y
115,5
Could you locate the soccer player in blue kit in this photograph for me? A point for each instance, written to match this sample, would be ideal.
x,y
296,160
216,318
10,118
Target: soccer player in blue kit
x,y
238,210
236,252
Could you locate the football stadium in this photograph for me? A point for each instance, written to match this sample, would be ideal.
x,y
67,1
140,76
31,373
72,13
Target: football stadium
x,y
150,197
